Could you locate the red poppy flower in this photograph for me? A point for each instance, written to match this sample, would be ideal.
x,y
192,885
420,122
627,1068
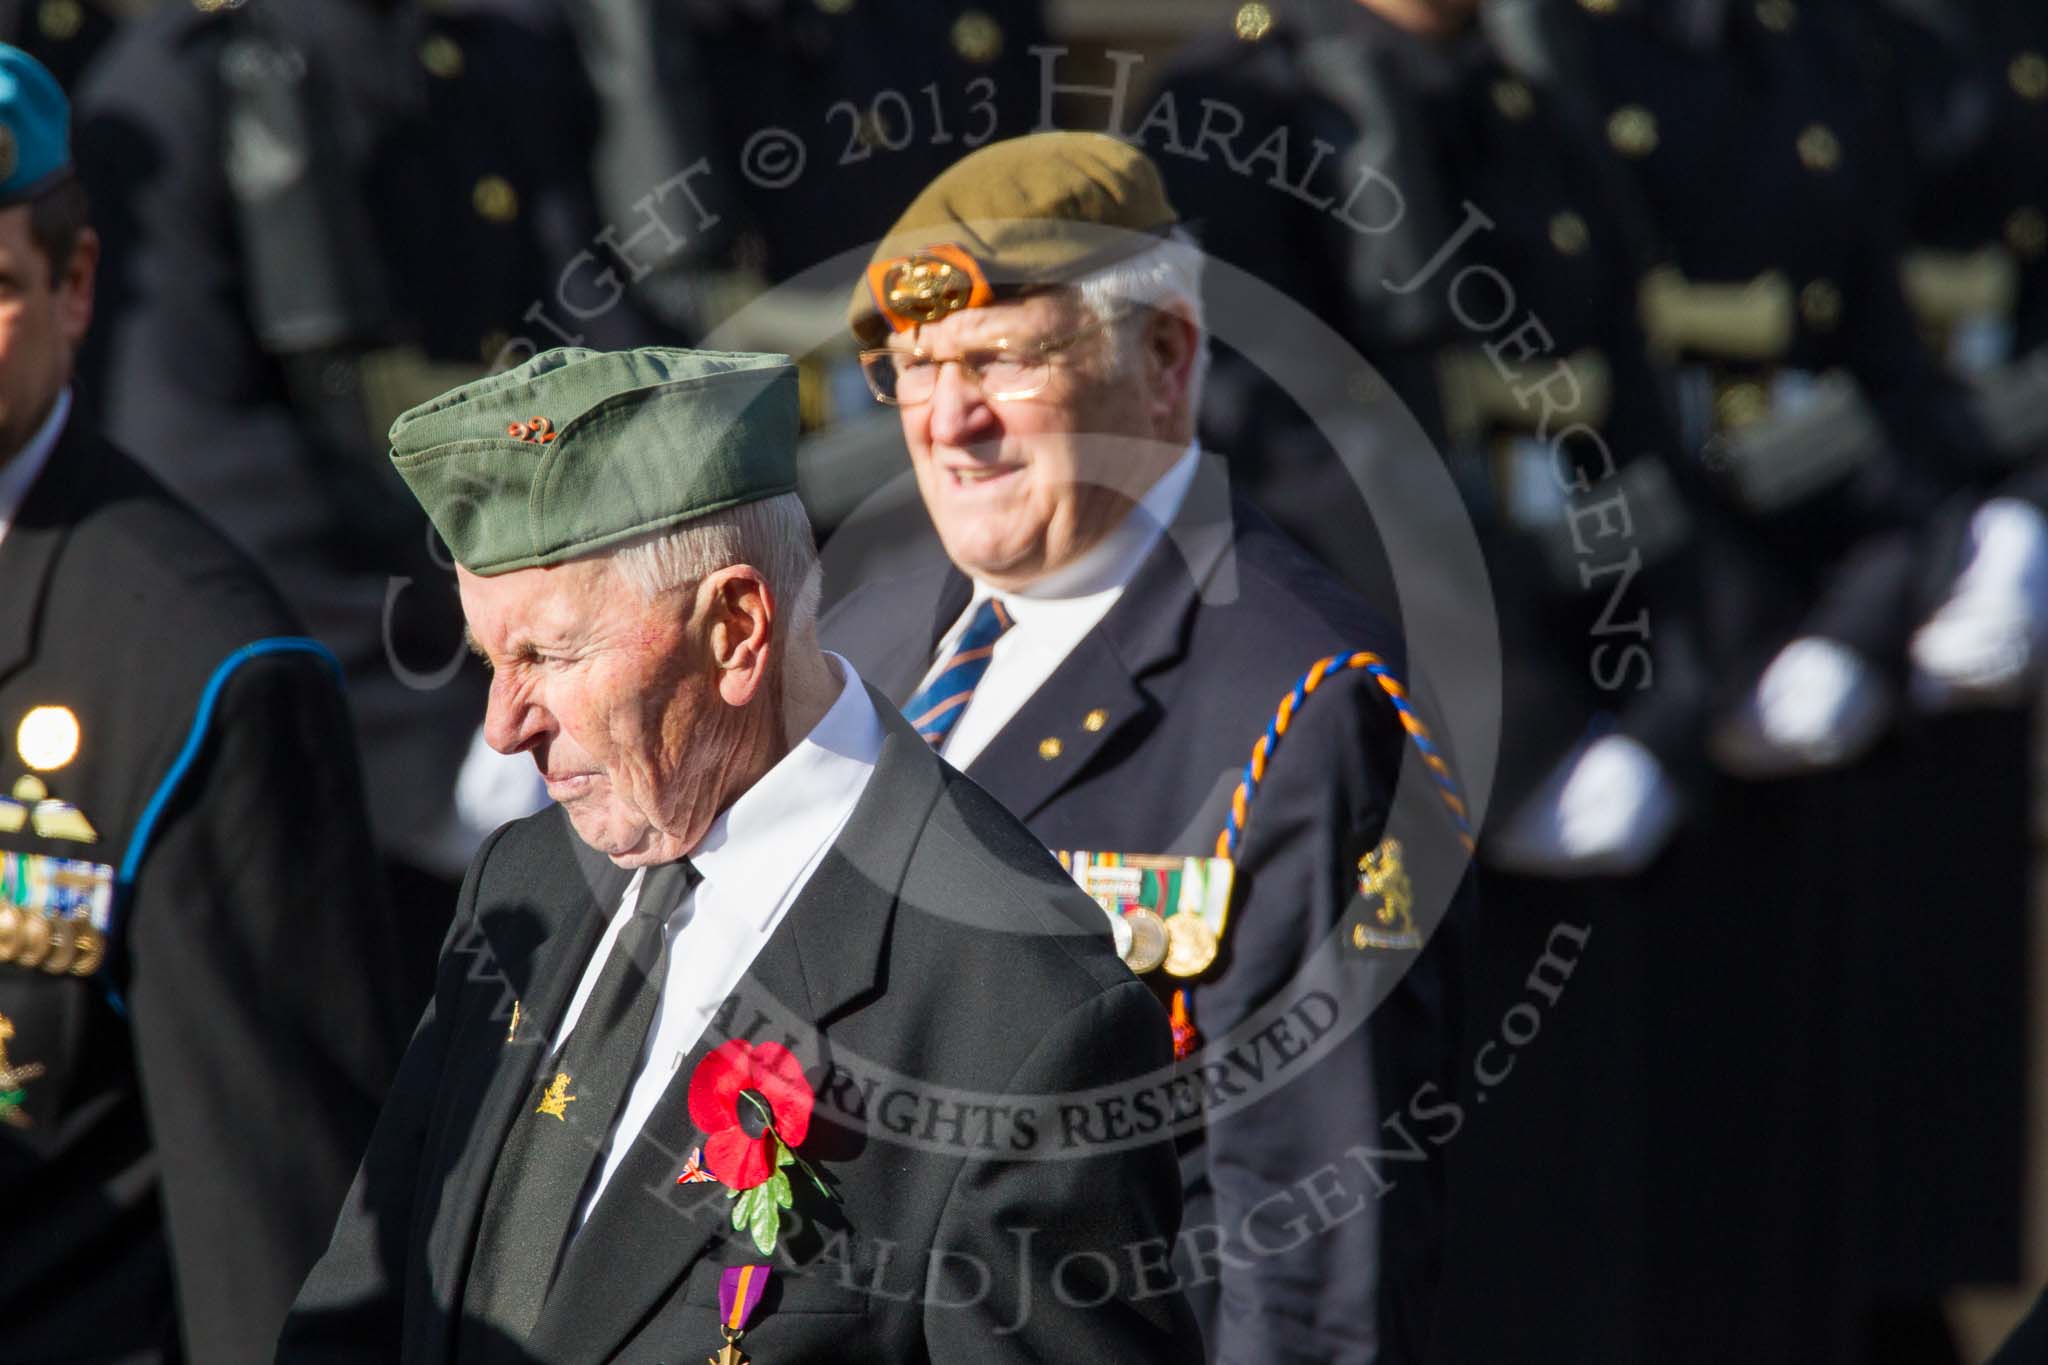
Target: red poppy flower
x,y
728,1092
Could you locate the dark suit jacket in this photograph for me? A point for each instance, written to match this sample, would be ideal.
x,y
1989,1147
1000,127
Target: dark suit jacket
x,y
943,983
187,1149
1289,1232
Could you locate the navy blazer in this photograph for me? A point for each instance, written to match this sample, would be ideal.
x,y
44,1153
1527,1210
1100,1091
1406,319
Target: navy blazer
x,y
1314,1213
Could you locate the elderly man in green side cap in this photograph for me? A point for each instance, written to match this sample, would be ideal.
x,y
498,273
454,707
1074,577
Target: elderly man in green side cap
x,y
753,1047
1102,650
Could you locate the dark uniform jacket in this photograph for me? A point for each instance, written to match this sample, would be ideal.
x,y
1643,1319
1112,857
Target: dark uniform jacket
x,y
947,990
202,1099
1488,274
1294,1249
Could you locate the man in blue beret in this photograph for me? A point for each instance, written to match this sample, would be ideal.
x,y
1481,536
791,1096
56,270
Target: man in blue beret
x,y
196,1024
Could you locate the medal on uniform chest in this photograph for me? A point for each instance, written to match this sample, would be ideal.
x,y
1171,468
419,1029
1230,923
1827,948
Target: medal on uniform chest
x,y
739,1290
1164,910
54,913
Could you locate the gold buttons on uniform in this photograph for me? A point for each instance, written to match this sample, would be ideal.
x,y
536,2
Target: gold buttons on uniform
x,y
977,37
1513,100
441,56
495,200
1820,303
2029,76
1569,234
1252,22
60,20
1741,405
1776,15
2026,232
1819,151
1050,748
1633,130
47,738
1095,720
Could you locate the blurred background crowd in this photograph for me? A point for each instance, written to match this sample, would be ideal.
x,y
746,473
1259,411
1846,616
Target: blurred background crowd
x,y
1724,318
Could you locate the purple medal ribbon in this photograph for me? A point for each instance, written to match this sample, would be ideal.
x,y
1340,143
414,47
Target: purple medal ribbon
x,y
739,1289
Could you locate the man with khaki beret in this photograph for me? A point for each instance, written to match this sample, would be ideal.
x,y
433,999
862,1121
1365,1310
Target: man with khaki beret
x,y
1102,646
754,1046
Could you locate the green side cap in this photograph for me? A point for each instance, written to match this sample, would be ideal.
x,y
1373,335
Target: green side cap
x,y
577,451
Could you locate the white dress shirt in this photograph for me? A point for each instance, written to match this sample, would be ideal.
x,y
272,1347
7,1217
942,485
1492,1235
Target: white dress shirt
x,y
755,859
1051,615
18,475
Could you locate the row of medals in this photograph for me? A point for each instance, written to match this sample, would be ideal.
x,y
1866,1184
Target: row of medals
x,y
1184,943
57,944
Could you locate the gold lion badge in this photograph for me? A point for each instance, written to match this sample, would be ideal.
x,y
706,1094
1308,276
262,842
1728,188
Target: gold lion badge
x,y
1391,923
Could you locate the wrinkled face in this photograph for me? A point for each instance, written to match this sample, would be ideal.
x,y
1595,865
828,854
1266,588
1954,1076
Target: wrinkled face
x,y
41,326
1018,487
615,698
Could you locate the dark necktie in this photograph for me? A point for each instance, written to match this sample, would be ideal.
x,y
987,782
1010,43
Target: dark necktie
x,y
554,1144
939,703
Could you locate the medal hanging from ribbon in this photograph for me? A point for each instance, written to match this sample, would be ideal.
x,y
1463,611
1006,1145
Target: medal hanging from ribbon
x,y
739,1290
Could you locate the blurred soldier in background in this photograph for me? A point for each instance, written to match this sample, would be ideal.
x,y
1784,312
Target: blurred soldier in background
x,y
201,984
317,215
883,94
1463,235
1970,84
1509,328
1861,472
1714,265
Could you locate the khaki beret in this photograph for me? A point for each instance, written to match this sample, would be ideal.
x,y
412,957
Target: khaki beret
x,y
579,450
1015,216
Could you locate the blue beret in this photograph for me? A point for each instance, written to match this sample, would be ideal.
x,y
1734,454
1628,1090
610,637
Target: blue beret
x,y
35,128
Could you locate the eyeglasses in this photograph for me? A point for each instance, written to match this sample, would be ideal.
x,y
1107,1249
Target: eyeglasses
x,y
1002,371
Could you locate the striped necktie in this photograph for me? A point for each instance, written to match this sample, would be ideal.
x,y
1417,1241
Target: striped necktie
x,y
938,704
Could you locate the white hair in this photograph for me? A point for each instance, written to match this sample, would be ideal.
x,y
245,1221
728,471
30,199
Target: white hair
x,y
771,534
1168,275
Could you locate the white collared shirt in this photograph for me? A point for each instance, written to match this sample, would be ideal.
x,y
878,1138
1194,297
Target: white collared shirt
x,y
18,475
755,859
1053,614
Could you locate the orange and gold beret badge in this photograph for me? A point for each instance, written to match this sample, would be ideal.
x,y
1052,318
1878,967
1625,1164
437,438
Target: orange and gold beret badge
x,y
919,289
